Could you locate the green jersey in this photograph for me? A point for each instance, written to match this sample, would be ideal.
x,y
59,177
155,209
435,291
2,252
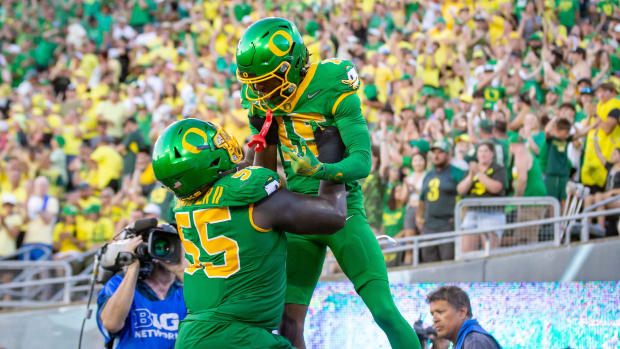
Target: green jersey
x,y
558,163
326,95
236,269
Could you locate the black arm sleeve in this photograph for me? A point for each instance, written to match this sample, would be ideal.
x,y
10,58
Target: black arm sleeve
x,y
329,144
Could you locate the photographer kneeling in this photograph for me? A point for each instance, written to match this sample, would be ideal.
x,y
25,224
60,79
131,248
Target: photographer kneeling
x,y
143,308
452,320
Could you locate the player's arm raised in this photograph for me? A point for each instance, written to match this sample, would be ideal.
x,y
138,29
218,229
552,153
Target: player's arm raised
x,y
306,214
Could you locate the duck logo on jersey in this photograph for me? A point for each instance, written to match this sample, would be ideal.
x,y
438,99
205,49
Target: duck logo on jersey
x,y
353,79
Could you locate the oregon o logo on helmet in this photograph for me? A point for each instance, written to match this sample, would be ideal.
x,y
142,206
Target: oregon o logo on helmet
x,y
244,74
192,148
274,49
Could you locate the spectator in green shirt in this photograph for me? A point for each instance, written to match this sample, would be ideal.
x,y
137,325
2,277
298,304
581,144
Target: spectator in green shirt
x,y
142,12
568,12
394,218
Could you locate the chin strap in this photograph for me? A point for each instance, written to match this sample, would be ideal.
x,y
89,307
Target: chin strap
x,y
258,141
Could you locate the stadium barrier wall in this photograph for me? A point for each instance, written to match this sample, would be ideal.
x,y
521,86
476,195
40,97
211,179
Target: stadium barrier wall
x,y
520,315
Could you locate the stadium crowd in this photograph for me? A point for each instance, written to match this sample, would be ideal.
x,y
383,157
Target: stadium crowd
x,y
86,86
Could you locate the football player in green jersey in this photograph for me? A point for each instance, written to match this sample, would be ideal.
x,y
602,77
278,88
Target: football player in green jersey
x,y
231,223
287,100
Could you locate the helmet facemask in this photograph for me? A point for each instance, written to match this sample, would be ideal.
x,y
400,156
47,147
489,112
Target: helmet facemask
x,y
273,97
224,141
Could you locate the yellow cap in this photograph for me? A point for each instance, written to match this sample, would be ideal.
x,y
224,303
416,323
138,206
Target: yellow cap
x,y
464,138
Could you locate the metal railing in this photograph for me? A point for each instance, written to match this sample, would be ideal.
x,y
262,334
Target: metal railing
x,y
43,282
493,213
414,243
26,288
25,251
585,223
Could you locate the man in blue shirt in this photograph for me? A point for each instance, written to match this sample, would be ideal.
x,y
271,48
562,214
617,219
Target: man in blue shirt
x,y
134,313
452,320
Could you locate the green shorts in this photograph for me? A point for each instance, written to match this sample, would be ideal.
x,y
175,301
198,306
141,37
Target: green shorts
x,y
556,186
354,246
198,334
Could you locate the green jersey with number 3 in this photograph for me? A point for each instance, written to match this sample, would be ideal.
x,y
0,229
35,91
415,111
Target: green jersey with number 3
x,y
236,270
326,95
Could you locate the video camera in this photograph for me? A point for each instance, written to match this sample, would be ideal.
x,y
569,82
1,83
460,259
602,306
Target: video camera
x,y
422,332
159,242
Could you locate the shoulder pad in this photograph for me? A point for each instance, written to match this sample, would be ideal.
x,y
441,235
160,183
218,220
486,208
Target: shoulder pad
x,y
241,188
343,71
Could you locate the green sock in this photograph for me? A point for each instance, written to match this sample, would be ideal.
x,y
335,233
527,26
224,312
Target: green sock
x,y
377,297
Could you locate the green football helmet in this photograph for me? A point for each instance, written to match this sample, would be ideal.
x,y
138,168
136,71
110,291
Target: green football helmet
x,y
191,154
271,48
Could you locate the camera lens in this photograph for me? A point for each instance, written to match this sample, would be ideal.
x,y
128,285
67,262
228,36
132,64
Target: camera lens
x,y
161,248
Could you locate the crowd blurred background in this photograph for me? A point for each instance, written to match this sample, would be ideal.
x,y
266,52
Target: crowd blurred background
x,y
86,87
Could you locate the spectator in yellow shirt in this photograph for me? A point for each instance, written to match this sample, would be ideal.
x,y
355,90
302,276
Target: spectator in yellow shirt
x,y
13,181
95,229
10,222
66,241
113,111
593,172
109,165
86,197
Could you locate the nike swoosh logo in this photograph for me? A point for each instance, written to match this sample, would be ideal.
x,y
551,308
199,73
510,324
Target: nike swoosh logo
x,y
349,217
310,96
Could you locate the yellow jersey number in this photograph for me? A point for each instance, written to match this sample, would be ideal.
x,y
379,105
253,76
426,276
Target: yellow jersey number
x,y
478,188
221,244
433,189
244,174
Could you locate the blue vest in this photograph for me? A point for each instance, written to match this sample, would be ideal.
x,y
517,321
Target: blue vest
x,y
469,326
150,323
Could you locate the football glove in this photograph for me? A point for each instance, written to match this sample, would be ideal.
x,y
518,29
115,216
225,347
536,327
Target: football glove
x,y
304,163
